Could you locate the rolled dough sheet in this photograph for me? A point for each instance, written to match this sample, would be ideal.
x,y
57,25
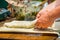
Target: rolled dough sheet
x,y
5,29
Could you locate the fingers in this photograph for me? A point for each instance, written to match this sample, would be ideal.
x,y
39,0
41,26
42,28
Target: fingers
x,y
43,23
40,24
39,14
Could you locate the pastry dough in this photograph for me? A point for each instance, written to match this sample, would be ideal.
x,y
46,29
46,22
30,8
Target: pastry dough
x,y
20,24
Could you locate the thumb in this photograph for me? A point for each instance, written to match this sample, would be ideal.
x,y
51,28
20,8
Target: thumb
x,y
38,15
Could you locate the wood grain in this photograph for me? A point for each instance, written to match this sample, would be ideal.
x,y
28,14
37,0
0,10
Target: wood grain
x,y
27,36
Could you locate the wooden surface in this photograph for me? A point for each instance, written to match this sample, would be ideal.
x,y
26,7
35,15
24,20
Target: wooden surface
x,y
23,36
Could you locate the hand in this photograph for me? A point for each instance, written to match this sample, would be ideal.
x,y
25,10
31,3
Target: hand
x,y
44,20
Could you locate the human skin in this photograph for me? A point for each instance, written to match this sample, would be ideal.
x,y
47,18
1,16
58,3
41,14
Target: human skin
x,y
47,16
57,2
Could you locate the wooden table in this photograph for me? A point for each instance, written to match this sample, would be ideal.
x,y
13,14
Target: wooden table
x,y
29,35
24,36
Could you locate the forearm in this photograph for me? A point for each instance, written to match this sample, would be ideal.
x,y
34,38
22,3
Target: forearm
x,y
57,2
55,13
54,10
